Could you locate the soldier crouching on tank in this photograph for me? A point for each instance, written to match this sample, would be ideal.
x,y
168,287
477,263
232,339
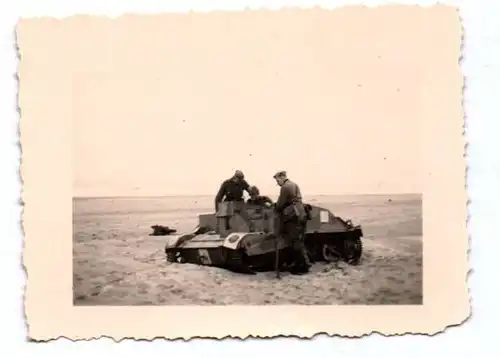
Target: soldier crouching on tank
x,y
257,199
293,218
232,189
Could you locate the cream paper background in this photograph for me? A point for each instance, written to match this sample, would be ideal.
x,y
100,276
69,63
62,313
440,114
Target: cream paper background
x,y
51,75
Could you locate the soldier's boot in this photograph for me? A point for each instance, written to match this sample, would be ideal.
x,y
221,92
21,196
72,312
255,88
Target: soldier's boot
x,y
302,264
289,259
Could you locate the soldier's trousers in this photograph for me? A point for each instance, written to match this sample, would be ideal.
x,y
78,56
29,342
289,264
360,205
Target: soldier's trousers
x,y
294,231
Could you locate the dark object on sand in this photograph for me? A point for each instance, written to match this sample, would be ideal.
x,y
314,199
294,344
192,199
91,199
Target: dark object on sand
x,y
159,230
249,243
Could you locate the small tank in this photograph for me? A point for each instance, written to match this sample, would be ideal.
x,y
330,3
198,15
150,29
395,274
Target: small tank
x,y
242,237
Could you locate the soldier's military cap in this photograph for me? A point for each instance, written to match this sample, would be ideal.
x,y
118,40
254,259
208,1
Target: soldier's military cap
x,y
281,173
239,174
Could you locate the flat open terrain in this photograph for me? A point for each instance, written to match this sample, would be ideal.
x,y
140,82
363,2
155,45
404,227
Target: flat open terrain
x,y
116,262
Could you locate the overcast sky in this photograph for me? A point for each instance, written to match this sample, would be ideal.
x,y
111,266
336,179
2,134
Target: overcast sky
x,y
172,106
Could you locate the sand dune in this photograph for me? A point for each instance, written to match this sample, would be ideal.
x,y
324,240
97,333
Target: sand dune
x,y
116,262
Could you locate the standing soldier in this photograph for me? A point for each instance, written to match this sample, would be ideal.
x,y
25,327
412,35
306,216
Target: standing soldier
x,y
293,219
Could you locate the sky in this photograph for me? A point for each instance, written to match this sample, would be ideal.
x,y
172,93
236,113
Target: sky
x,y
173,105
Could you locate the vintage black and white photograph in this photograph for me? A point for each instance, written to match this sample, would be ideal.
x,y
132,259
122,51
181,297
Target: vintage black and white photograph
x,y
331,249
249,168
300,166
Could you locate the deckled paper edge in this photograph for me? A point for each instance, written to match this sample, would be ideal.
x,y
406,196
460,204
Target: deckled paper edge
x,y
40,336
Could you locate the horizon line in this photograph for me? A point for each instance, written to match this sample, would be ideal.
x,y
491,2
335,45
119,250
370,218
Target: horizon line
x,y
211,195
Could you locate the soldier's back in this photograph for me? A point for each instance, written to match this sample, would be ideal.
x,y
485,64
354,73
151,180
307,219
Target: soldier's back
x,y
294,190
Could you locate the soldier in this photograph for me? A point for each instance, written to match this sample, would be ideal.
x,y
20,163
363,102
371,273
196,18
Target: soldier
x,y
232,189
293,219
257,199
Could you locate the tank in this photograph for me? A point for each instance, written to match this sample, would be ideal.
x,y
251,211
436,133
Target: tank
x,y
242,237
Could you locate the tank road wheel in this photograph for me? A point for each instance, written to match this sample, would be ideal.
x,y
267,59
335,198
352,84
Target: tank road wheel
x,y
330,253
353,248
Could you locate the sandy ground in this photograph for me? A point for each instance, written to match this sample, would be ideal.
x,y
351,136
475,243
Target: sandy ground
x,y
116,262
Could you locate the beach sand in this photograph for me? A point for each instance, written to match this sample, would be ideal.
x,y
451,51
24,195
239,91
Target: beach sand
x,y
116,262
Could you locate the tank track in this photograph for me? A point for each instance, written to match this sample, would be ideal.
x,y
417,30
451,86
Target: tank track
x,y
353,249
235,262
347,248
172,256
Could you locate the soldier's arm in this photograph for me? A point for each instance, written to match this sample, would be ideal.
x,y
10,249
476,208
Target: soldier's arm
x,y
267,199
280,203
246,186
220,193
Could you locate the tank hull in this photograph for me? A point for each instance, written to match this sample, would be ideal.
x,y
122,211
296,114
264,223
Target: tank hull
x,y
233,260
247,242
216,256
252,256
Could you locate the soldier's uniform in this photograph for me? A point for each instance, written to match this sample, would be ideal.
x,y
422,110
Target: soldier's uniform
x,y
293,221
231,190
257,199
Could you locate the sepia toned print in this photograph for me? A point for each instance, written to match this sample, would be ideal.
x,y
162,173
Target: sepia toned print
x,y
289,166
116,262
